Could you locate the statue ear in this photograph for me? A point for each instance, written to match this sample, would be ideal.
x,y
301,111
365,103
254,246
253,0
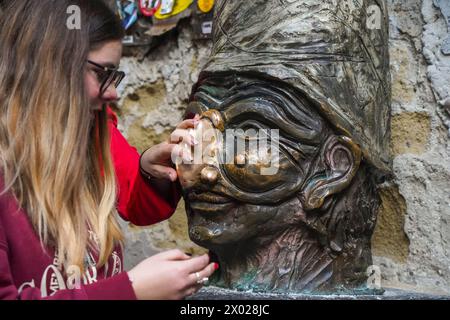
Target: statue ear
x,y
342,158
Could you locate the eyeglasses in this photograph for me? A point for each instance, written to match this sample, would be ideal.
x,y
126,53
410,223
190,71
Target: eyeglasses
x,y
107,76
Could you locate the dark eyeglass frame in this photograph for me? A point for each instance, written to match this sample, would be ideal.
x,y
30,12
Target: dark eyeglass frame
x,y
112,75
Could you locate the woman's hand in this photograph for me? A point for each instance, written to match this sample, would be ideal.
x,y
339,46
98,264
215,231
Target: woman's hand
x,y
170,275
157,160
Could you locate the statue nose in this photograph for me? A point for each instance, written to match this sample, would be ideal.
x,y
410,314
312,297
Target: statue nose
x,y
209,175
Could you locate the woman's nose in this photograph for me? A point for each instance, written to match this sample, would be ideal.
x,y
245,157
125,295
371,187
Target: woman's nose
x,y
110,94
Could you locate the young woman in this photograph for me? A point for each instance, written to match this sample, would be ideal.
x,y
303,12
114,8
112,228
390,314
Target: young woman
x,y
65,168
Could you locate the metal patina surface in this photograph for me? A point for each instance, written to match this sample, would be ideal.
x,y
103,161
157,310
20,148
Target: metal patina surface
x,y
318,72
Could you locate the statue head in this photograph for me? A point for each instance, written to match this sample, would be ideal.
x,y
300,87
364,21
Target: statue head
x,y
294,134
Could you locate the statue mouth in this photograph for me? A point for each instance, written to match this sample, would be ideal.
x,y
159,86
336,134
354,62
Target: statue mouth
x,y
209,202
211,197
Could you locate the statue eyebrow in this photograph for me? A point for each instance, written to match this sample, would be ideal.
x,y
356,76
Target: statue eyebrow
x,y
296,130
232,96
208,100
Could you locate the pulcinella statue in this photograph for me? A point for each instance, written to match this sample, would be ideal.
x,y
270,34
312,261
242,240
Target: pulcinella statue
x,y
318,73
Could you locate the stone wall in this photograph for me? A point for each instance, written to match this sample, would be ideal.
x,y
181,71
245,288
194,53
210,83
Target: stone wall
x,y
411,243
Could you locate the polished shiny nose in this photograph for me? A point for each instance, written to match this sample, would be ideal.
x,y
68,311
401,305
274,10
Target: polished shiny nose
x,y
209,175
204,170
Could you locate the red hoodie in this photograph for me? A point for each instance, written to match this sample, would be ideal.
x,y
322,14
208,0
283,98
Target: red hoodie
x,y
27,271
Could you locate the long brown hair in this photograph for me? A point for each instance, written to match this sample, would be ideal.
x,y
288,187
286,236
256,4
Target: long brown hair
x,y
54,158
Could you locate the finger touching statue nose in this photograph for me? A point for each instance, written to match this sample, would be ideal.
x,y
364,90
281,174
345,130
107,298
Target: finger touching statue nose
x,y
203,162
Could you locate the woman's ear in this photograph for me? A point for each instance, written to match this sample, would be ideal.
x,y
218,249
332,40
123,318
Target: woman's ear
x,y
342,158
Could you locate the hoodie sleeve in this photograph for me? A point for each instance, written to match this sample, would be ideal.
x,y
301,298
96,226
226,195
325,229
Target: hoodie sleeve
x,y
117,287
138,202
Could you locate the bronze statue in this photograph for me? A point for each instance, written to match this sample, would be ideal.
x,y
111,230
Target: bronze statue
x,y
318,72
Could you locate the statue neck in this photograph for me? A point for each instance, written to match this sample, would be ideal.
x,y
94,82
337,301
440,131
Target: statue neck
x,y
292,261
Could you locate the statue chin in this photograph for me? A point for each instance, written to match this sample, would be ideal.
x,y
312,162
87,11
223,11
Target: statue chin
x,y
211,234
203,235
213,225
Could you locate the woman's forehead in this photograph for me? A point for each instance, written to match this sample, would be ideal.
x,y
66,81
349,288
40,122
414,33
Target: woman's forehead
x,y
108,54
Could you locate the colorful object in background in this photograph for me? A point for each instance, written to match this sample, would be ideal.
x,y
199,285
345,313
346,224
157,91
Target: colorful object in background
x,y
167,6
149,7
205,6
202,19
146,20
128,13
178,7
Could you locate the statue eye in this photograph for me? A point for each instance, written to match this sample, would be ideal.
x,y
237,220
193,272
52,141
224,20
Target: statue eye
x,y
254,170
250,177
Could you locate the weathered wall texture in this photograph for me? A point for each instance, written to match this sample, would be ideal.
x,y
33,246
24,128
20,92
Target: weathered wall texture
x,y
411,243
